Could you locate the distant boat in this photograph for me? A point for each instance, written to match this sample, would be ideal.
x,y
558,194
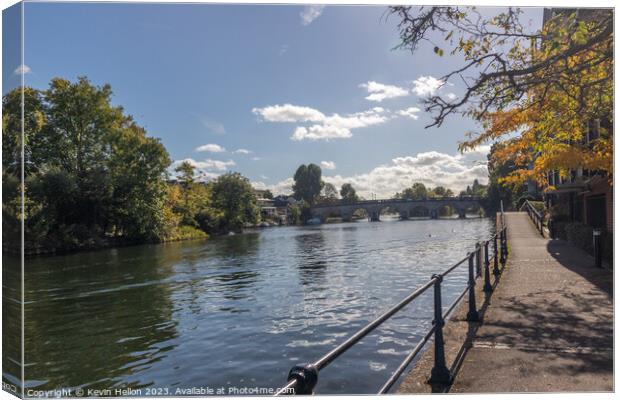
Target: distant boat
x,y
313,221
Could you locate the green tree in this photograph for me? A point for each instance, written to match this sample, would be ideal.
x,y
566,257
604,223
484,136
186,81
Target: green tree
x,y
417,191
308,183
90,170
234,196
33,121
329,193
137,170
499,169
348,194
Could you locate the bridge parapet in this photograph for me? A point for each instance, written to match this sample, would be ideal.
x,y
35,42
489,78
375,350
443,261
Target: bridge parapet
x,y
404,207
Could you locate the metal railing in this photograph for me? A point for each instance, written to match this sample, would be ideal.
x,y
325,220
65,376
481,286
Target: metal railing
x,y
536,217
303,378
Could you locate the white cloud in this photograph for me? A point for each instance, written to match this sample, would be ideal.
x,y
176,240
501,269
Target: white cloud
x,y
328,165
206,169
335,126
431,168
22,69
256,158
451,96
211,148
283,49
426,86
482,149
310,13
289,113
411,112
379,92
320,132
242,151
282,187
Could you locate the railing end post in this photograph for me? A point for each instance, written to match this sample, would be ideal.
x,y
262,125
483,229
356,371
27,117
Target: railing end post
x,y
306,376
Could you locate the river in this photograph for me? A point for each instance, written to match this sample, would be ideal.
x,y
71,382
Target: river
x,y
236,311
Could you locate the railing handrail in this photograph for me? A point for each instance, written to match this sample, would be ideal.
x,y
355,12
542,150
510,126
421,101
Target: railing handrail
x,y
535,215
531,207
308,375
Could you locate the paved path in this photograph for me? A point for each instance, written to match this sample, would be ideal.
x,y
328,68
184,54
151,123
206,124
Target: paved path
x,y
548,326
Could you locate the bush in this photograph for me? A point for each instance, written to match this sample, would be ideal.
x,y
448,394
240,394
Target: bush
x,y
580,235
185,232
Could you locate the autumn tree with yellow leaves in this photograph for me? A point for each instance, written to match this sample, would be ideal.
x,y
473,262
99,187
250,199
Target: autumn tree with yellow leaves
x,y
538,92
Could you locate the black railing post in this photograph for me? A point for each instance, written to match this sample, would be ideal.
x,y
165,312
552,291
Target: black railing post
x,y
502,254
487,275
472,313
306,377
440,374
495,257
598,249
478,260
505,246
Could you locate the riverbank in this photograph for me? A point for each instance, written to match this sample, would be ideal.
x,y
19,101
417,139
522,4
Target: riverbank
x,y
184,233
547,327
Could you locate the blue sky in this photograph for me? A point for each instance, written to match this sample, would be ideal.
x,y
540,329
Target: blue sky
x,y
289,84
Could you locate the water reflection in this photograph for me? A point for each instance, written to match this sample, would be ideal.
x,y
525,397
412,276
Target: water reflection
x,y
311,257
11,321
91,325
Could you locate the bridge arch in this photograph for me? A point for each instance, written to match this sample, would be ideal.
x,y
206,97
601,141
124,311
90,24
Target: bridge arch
x,y
419,211
372,209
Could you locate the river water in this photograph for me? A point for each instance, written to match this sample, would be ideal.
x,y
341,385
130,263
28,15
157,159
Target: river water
x,y
236,311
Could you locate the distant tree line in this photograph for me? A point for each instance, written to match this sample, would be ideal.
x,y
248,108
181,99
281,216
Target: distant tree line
x,y
309,186
92,176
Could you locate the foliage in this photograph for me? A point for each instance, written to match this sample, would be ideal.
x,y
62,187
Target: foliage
x,y
417,191
94,178
546,85
233,194
348,194
580,235
329,194
185,232
308,183
294,215
501,64
498,191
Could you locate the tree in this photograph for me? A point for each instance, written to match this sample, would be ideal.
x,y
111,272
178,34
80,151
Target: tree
x,y
233,194
185,172
308,183
90,170
500,66
499,169
137,169
440,191
34,122
348,194
329,193
549,85
416,192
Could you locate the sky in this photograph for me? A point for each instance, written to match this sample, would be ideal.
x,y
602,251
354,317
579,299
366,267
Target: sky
x,y
261,89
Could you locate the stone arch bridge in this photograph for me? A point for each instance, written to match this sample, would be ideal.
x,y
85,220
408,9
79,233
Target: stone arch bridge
x,y
404,207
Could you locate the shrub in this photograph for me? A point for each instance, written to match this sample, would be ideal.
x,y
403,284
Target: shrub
x,y
185,232
580,235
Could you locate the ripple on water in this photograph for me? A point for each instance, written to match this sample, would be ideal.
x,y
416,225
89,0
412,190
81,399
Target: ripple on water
x,y
239,309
